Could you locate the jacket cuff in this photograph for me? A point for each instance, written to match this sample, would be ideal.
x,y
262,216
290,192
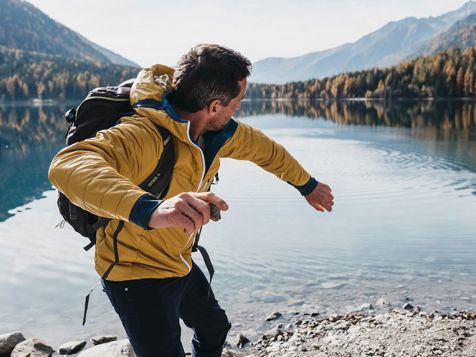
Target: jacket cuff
x,y
143,209
308,187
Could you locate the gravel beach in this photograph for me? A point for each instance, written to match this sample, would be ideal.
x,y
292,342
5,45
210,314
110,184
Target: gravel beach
x,y
403,332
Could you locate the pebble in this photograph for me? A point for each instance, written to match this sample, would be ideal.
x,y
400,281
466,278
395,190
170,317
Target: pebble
x,y
381,318
342,325
273,348
353,330
241,340
274,316
72,347
273,333
364,307
98,340
382,302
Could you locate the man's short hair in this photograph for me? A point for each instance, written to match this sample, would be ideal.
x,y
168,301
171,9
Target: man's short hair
x,y
206,73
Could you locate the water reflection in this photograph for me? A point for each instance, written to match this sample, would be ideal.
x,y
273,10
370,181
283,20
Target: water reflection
x,y
31,135
447,129
24,127
409,114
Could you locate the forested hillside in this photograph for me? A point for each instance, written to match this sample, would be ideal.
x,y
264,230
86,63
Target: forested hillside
x,y
450,74
26,75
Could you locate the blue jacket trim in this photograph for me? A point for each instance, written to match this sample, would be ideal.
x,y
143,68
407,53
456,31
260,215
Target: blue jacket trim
x,y
143,209
164,104
308,187
214,140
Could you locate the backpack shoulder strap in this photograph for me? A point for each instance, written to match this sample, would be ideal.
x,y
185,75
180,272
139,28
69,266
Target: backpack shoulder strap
x,y
159,181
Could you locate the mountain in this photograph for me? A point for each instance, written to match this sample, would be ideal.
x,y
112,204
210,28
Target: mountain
x,y
24,27
461,35
387,46
40,58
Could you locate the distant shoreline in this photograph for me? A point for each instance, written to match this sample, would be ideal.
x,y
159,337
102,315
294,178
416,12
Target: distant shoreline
x,y
73,101
41,102
363,99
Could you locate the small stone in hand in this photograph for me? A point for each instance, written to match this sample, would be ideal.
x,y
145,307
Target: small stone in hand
x,y
214,213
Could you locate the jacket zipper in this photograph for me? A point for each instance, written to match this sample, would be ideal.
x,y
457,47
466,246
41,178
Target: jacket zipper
x,y
198,188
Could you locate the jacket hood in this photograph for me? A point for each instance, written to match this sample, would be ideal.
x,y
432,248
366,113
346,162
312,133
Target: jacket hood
x,y
152,83
149,99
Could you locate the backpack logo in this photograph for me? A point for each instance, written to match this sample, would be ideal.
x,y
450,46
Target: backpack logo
x,y
162,80
153,180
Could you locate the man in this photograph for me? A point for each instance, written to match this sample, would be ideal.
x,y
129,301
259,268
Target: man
x,y
146,267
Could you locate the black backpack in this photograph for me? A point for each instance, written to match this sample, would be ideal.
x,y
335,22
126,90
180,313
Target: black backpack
x,y
101,109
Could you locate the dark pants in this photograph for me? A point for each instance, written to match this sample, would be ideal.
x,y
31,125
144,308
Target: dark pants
x,y
150,310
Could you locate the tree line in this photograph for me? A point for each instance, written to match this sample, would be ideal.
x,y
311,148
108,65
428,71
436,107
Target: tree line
x,y
450,74
25,75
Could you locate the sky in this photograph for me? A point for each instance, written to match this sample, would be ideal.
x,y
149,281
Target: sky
x,y
157,31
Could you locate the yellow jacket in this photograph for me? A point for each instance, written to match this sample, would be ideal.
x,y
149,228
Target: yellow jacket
x,y
102,174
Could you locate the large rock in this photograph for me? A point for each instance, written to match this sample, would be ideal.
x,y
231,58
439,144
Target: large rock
x,y
112,349
33,347
72,347
8,342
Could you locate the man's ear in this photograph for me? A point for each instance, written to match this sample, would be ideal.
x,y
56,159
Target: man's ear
x,y
214,107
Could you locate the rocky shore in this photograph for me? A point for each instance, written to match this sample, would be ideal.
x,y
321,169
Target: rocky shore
x,y
14,344
400,332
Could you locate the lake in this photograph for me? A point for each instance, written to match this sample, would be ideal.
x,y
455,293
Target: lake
x,y
403,225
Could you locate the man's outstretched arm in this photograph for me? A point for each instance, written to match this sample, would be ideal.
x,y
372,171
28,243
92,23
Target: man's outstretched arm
x,y
251,144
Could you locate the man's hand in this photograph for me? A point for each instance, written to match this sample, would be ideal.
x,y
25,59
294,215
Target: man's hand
x,y
189,210
321,198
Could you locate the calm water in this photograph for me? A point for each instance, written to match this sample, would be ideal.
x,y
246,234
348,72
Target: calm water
x,y
404,227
